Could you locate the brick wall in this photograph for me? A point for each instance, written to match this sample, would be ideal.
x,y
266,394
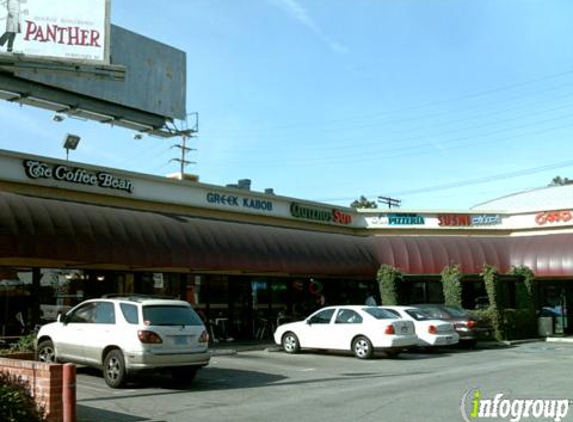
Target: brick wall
x,y
46,382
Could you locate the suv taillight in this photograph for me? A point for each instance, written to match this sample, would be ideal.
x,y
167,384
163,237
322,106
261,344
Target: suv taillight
x,y
149,337
432,329
471,324
204,337
389,329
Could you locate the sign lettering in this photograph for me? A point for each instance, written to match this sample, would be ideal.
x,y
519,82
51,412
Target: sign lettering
x,y
68,30
486,219
549,217
39,170
320,214
405,219
454,220
237,201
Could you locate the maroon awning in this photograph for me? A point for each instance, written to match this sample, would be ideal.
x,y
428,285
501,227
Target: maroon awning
x,y
75,234
430,254
546,255
72,233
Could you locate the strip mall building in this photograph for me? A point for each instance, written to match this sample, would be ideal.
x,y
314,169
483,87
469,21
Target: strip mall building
x,y
70,231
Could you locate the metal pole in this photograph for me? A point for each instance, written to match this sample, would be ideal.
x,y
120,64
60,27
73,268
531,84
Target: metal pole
x,y
183,151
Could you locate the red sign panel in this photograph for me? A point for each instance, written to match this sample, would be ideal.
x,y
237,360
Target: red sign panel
x,y
455,220
549,217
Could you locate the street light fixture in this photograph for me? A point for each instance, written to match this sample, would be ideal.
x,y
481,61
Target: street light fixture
x,y
70,143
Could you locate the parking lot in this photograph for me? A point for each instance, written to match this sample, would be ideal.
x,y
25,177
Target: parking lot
x,y
274,386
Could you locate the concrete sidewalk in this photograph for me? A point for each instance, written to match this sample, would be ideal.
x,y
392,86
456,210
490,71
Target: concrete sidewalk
x,y
224,348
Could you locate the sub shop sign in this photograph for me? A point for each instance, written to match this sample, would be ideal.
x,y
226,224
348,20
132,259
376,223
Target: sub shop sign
x,y
65,30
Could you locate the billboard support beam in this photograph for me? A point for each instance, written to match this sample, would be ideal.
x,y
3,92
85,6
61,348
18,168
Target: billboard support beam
x,y
14,64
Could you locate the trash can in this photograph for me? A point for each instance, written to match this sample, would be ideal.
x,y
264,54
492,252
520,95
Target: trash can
x,y
545,326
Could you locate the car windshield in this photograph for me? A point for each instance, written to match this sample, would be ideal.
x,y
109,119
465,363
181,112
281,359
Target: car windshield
x,y
170,315
418,314
380,313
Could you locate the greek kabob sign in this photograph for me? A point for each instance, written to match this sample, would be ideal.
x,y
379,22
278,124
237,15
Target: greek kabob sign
x,y
40,170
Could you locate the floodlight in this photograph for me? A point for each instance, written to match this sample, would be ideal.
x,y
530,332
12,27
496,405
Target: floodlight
x,y
71,143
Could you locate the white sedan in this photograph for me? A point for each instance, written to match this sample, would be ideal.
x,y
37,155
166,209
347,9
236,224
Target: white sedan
x,y
430,331
360,329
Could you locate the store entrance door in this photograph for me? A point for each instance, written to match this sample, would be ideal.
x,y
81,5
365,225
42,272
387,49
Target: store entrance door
x,y
240,324
557,301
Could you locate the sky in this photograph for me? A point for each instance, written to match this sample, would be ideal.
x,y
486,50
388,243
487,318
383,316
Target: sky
x,y
442,104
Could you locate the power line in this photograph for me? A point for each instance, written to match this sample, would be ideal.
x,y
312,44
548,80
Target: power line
x,y
468,182
405,109
415,150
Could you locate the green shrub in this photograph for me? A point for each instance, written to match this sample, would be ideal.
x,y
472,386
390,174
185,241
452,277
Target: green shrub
x,y
519,324
452,285
490,277
525,288
487,314
388,278
16,401
25,344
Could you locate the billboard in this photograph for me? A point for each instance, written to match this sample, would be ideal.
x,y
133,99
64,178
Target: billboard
x,y
61,30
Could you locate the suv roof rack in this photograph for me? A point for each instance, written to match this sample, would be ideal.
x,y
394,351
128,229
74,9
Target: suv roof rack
x,y
135,297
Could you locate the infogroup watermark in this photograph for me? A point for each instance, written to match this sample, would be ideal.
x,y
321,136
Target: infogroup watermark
x,y
475,407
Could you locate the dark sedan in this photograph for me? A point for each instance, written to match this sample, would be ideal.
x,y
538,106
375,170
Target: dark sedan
x,y
471,328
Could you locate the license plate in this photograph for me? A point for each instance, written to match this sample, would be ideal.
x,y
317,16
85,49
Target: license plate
x,y
180,341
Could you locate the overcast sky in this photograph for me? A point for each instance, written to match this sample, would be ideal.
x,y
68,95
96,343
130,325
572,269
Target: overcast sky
x,y
440,103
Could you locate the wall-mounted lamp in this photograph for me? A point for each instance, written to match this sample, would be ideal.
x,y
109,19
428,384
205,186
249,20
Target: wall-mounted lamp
x,y
58,118
100,277
71,143
137,136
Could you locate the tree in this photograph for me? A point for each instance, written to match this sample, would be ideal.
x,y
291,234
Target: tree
x,y
363,202
560,181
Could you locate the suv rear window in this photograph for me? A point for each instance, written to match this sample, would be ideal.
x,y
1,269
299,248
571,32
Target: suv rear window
x,y
170,315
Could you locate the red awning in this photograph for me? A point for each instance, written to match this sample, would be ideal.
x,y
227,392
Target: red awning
x,y
430,254
75,234
72,233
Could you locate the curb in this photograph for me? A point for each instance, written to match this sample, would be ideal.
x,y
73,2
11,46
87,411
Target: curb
x,y
525,341
559,340
228,351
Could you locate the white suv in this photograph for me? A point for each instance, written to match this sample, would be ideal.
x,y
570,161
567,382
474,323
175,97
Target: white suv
x,y
123,335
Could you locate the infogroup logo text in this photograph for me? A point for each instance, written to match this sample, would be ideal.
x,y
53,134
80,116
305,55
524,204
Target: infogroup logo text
x,y
475,407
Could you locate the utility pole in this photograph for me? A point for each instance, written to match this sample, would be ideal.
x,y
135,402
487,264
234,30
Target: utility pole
x,y
391,202
186,134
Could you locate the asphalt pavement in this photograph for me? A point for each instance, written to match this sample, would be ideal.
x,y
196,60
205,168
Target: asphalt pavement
x,y
252,382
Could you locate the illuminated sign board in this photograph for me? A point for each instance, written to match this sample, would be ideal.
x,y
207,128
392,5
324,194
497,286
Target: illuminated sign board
x,y
486,219
62,173
454,220
551,217
405,219
67,30
322,215
467,220
239,201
